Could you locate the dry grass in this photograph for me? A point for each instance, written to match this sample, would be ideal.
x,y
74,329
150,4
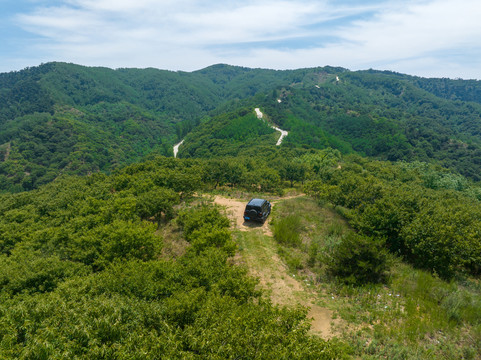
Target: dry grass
x,y
174,245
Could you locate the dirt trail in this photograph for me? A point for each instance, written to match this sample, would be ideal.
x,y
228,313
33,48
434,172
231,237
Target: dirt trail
x,y
263,262
235,211
284,133
176,148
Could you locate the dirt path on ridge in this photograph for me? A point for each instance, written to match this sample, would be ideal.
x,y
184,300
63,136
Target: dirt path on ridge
x,y
284,133
235,212
261,258
176,148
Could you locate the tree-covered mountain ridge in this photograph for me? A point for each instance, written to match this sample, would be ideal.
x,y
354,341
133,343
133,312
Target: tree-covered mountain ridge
x,y
140,264
66,118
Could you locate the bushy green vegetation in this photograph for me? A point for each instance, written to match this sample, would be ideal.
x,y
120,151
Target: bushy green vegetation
x,y
358,259
83,272
206,227
286,230
427,218
228,135
432,228
67,119
410,314
82,275
382,115
81,268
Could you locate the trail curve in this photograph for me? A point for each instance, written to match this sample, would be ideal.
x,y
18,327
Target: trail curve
x,y
176,148
284,133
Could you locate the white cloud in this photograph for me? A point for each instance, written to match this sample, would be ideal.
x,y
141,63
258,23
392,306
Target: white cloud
x,y
418,29
189,34
247,23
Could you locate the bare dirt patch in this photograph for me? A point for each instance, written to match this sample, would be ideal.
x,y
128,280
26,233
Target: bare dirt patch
x,y
235,212
260,255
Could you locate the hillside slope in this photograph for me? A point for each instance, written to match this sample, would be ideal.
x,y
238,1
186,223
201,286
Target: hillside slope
x,y
383,115
65,118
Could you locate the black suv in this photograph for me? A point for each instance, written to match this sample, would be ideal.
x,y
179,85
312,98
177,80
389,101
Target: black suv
x,y
257,210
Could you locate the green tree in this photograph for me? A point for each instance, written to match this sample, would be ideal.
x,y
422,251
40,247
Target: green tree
x,y
358,260
157,203
445,237
293,171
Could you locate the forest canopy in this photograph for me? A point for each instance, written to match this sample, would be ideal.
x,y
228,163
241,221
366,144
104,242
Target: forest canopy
x,y
83,275
61,118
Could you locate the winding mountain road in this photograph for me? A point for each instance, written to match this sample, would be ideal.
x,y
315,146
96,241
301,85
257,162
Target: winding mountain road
x,y
260,115
176,148
284,133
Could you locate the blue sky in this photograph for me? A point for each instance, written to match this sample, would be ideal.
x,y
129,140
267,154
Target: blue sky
x,y
430,38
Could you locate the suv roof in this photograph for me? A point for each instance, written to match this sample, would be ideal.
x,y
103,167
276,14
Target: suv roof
x,y
256,202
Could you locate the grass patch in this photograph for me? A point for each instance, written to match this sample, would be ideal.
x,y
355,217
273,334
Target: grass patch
x,y
286,230
414,316
294,259
255,248
305,231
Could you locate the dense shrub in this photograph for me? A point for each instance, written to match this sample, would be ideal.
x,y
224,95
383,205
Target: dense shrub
x,y
82,277
29,272
359,259
200,217
433,227
444,237
205,227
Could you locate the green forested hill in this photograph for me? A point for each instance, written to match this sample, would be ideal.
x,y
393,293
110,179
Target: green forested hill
x,y
384,115
394,245
64,118
67,118
381,114
229,134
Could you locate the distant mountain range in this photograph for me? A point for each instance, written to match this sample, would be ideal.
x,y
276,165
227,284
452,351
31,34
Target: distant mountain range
x,y
64,118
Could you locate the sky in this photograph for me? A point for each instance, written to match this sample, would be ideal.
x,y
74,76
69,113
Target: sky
x,y
429,38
